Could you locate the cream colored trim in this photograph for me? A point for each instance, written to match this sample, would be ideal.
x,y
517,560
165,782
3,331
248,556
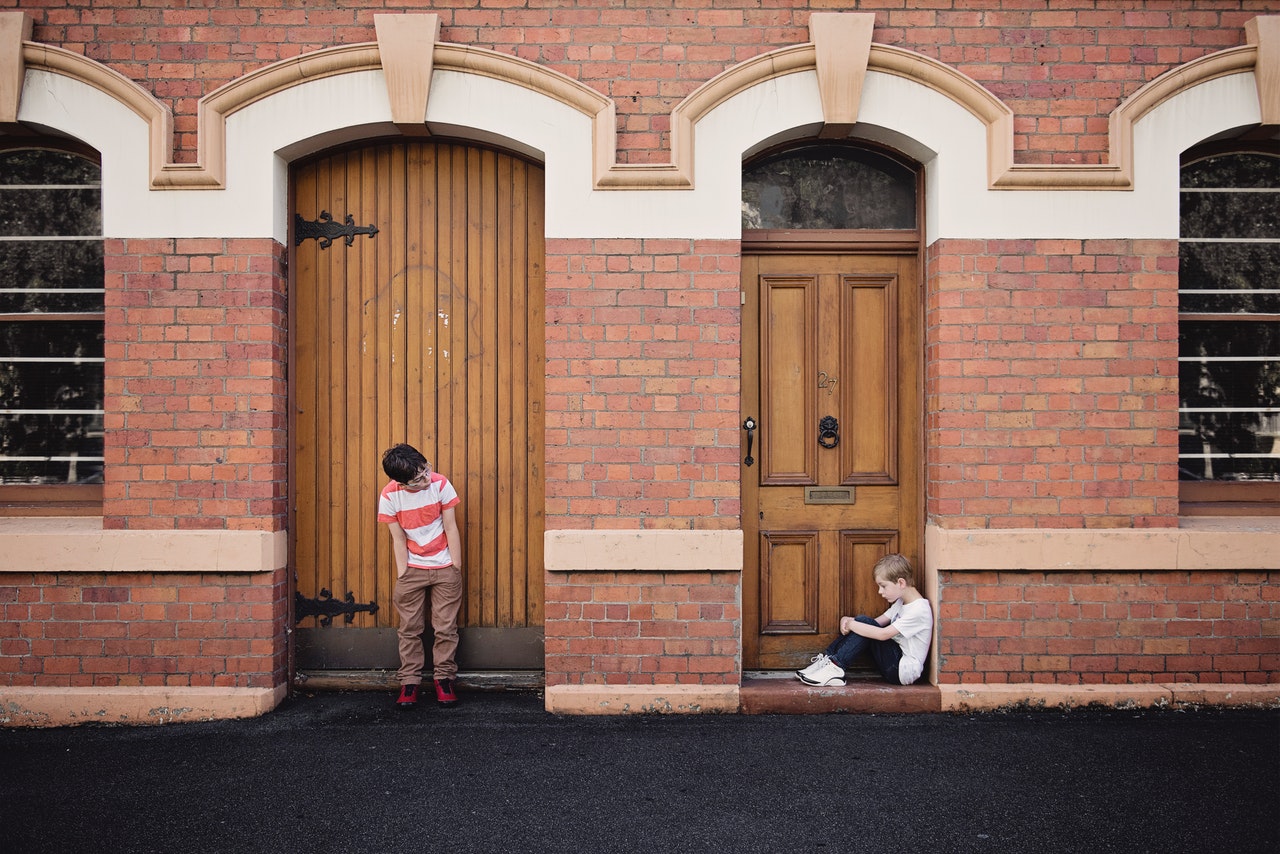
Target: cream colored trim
x,y
1264,34
49,707
80,544
964,698
640,699
1200,543
15,28
406,44
646,551
842,46
833,70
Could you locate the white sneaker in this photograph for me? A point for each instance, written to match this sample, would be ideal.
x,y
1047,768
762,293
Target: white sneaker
x,y
816,662
829,673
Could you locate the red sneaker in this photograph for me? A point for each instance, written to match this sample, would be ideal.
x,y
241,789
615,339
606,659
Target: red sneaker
x,y
445,694
408,696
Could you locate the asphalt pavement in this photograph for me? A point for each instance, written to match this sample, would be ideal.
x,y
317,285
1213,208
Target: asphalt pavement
x,y
348,772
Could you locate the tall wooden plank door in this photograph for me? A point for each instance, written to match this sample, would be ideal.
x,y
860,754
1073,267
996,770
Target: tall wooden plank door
x,y
416,313
832,381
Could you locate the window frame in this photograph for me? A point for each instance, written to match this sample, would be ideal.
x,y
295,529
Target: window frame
x,y
71,499
1222,497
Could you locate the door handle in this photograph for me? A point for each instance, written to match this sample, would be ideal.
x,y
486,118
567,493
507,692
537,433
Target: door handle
x,y
750,426
828,431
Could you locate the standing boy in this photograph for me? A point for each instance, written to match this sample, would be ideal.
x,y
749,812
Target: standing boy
x,y
898,639
418,507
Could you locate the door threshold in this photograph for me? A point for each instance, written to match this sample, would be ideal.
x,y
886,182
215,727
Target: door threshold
x,y
385,680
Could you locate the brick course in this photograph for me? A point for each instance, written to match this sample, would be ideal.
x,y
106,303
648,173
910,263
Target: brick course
x,y
1061,69
1080,628
643,628
143,629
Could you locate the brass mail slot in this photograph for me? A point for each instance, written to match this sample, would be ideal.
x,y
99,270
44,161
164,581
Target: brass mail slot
x,y
828,495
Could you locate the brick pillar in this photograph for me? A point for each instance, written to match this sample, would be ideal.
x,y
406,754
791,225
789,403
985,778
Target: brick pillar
x,y
642,400
196,352
1052,383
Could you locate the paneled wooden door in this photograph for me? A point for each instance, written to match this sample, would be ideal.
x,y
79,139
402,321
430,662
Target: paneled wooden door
x,y
831,378
428,331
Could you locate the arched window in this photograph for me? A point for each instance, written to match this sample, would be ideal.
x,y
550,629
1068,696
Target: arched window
x,y
1229,333
825,187
51,332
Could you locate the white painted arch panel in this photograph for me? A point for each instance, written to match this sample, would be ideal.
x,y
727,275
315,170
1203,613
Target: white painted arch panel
x,y
264,136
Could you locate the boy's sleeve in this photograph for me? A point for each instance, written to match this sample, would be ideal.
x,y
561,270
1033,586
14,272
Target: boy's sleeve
x,y
448,495
914,620
386,508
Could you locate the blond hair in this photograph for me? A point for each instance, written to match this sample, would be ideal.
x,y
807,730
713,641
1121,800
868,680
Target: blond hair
x,y
890,568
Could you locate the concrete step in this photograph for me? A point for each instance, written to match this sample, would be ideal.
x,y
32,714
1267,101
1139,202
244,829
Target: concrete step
x,y
781,693
764,692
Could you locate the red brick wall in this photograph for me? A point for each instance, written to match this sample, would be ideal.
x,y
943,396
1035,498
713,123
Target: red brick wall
x,y
642,387
143,629
1052,383
195,390
1062,69
1077,628
643,628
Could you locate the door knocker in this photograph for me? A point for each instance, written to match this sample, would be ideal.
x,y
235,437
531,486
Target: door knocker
x,y
828,431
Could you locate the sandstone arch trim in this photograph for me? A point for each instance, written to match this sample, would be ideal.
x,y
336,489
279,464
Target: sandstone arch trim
x,y
209,170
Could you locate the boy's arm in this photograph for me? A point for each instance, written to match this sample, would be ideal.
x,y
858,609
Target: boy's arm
x,y
882,633
399,548
453,536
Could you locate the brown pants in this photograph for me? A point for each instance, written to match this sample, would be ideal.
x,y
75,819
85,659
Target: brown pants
x,y
444,588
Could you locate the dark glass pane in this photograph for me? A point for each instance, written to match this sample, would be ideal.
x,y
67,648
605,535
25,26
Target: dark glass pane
x,y
36,166
51,385
1250,215
1219,386
1229,267
50,213
77,439
1229,338
1229,446
50,264
1227,384
828,187
1233,170
56,338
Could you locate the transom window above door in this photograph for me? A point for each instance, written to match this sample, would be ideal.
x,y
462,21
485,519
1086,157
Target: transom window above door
x,y
1229,333
828,187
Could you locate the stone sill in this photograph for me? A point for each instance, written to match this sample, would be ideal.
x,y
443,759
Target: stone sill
x,y
80,544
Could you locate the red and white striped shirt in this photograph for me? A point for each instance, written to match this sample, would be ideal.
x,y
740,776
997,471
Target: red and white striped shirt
x,y
420,513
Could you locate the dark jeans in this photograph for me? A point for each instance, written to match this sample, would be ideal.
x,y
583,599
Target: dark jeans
x,y
845,649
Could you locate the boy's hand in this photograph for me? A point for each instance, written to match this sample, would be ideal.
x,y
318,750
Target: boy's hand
x,y
844,625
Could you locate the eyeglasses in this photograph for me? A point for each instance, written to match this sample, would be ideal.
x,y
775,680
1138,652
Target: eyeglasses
x,y
422,479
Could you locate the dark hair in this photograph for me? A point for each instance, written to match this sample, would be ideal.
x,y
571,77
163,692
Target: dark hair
x,y
402,462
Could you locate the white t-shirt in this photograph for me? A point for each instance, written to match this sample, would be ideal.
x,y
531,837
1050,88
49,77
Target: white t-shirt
x,y
914,623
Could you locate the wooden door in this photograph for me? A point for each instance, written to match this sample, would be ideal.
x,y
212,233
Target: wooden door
x,y
429,331
831,376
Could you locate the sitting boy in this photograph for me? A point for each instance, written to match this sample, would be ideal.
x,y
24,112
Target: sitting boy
x,y
898,639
